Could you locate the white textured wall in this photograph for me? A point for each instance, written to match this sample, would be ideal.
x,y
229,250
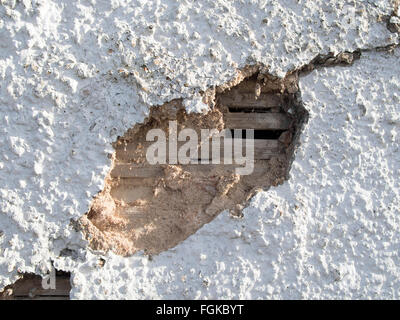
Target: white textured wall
x,y
72,78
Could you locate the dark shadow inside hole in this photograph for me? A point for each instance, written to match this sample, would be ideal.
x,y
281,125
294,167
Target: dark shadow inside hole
x,y
261,134
254,109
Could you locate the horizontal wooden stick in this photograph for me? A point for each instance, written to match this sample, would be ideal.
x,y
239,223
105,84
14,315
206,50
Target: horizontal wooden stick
x,y
155,171
247,100
266,121
263,149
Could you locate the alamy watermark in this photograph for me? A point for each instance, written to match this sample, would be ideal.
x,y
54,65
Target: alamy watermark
x,y
183,147
49,280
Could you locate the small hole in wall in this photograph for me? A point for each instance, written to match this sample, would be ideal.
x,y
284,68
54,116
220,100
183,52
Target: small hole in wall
x,y
56,286
152,208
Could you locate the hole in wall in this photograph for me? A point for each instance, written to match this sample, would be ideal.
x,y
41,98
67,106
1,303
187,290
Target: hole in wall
x,y
30,287
155,207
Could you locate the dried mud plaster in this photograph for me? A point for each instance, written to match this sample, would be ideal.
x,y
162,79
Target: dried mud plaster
x,y
155,207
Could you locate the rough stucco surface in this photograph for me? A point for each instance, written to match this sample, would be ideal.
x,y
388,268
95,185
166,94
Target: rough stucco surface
x,y
75,75
331,231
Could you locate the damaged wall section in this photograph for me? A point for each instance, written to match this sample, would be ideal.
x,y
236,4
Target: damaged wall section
x,y
155,207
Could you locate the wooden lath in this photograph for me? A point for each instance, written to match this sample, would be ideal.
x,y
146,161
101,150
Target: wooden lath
x,y
263,121
263,149
244,108
248,100
127,170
